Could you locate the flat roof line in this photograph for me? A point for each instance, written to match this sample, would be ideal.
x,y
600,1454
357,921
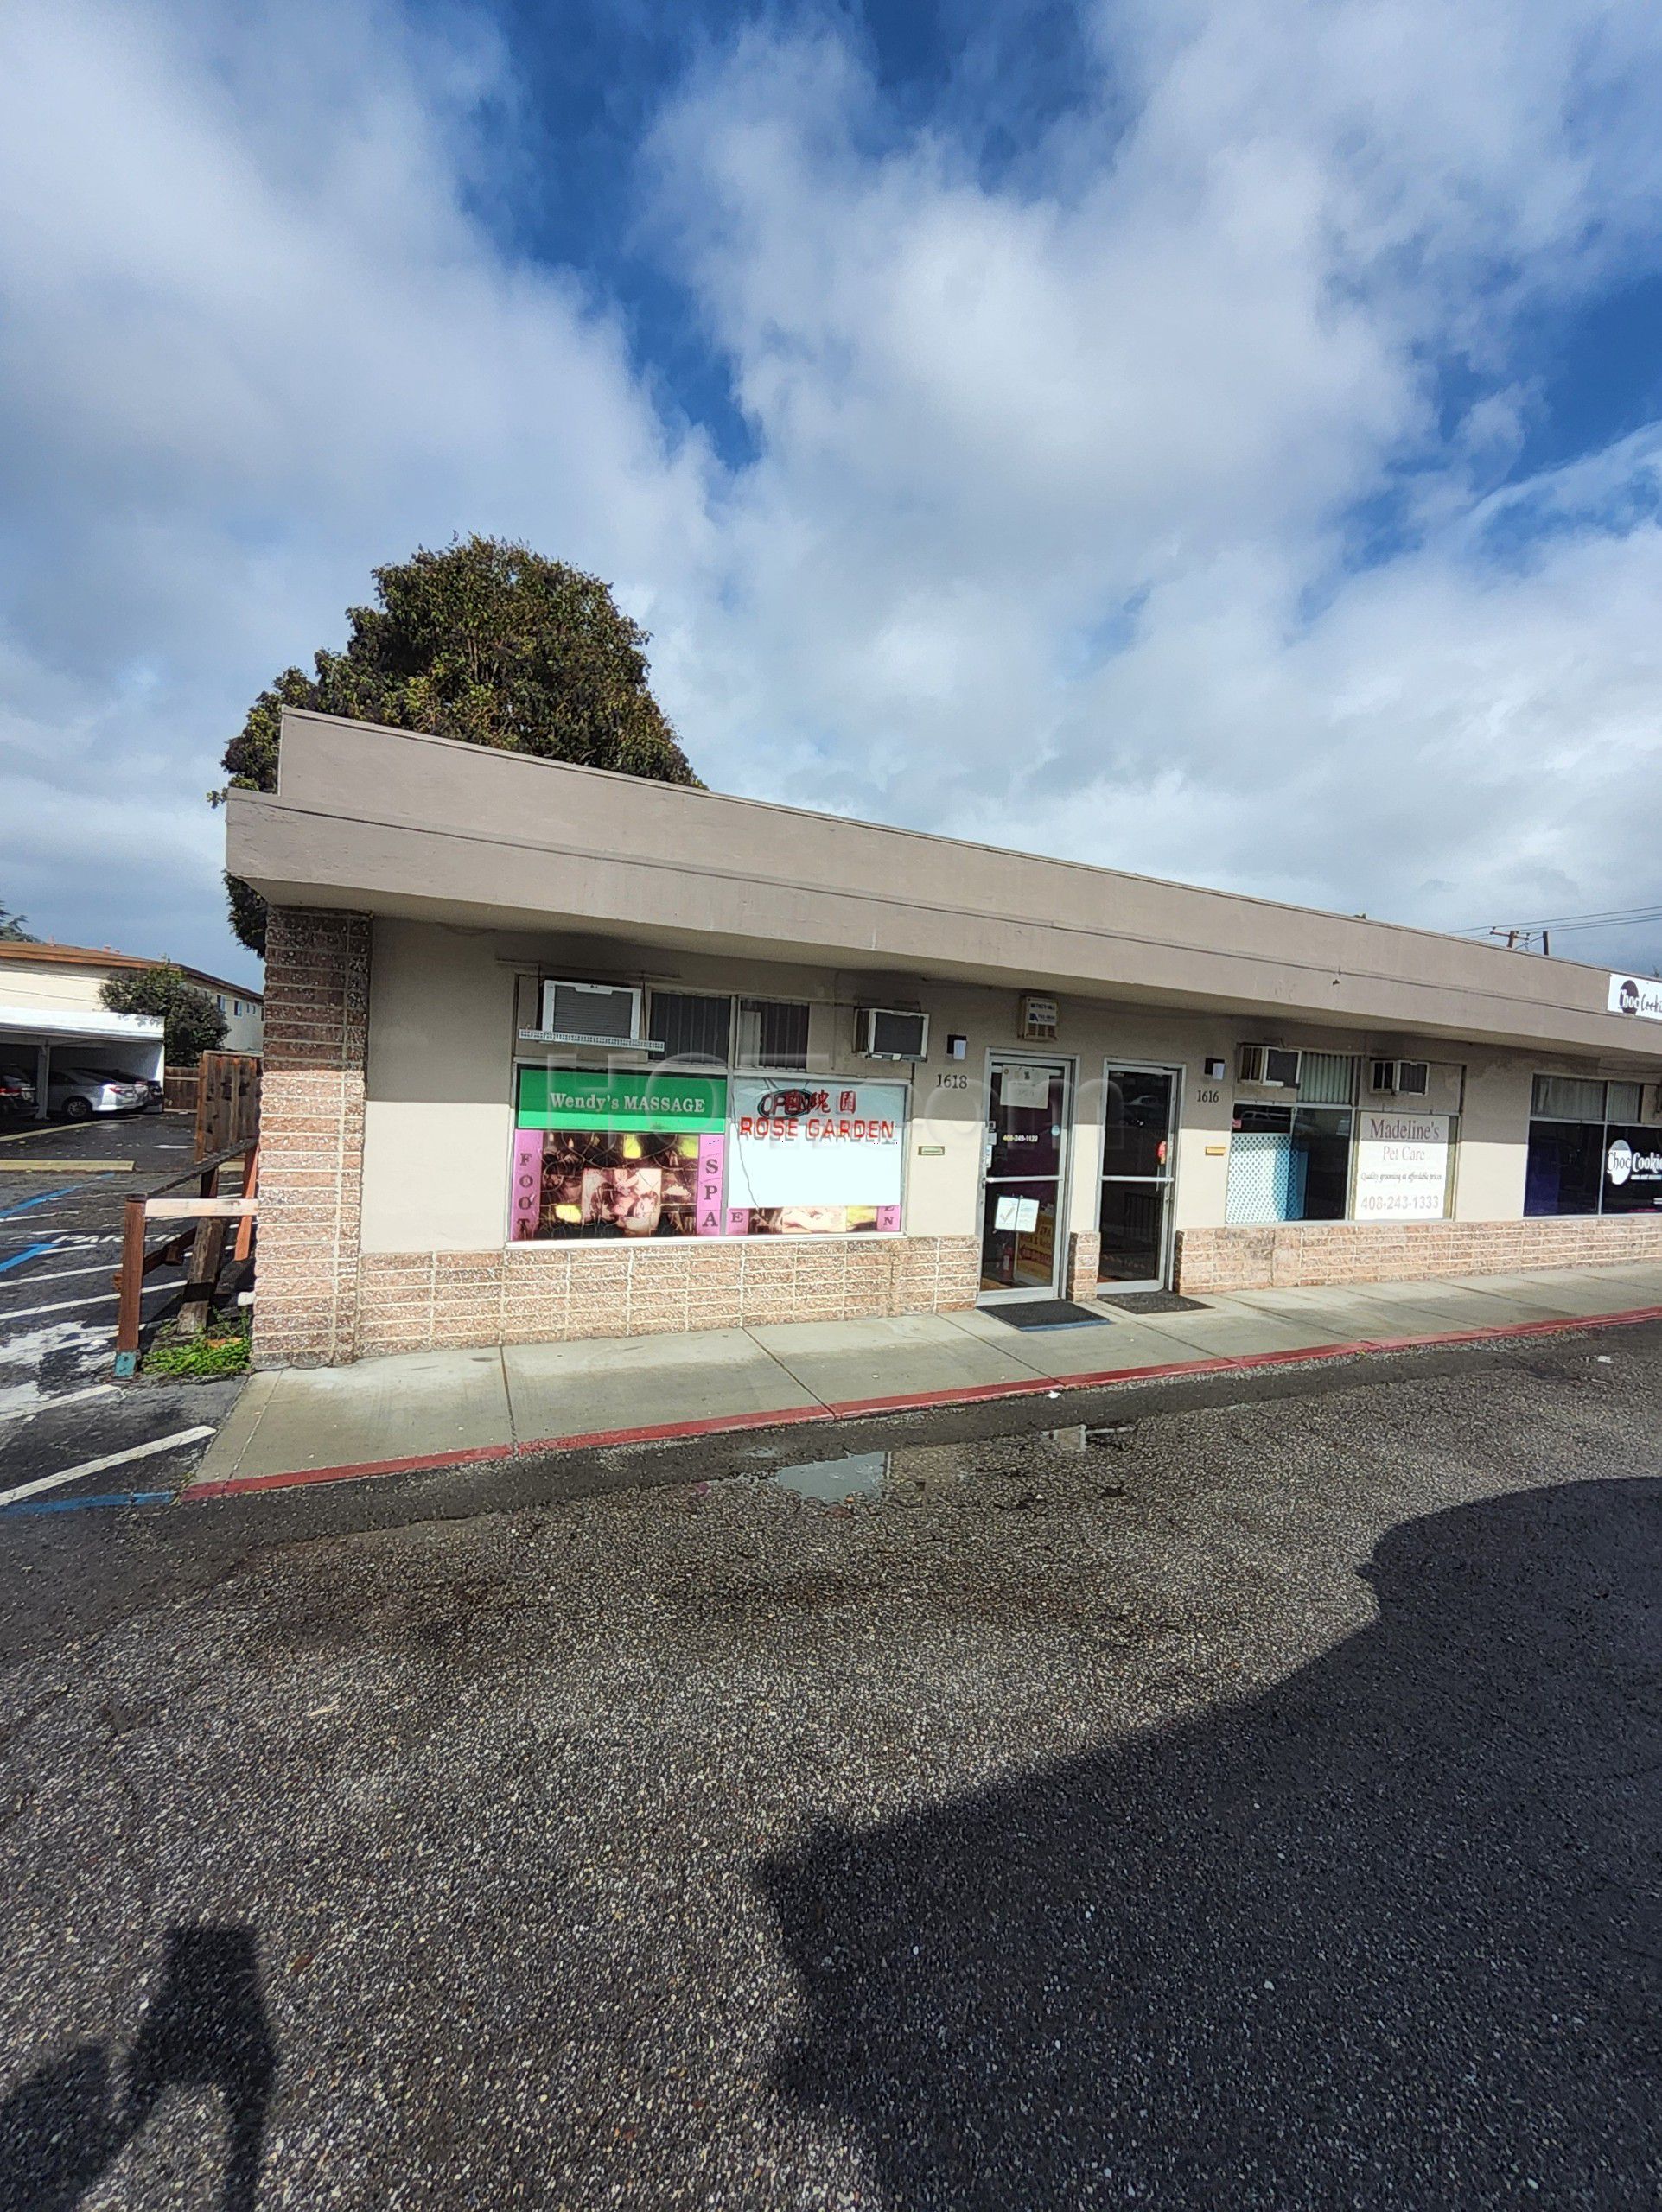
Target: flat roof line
x,y
45,954
684,865
691,793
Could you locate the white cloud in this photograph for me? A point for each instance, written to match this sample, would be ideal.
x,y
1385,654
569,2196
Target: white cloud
x,y
253,345
1050,537
995,430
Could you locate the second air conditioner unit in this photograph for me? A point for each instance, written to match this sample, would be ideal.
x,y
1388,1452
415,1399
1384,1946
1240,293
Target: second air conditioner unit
x,y
1404,1078
887,1034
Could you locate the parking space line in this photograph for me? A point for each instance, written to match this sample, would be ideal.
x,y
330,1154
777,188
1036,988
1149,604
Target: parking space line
x,y
81,1505
29,1252
63,1398
111,1460
64,1274
58,1274
68,1305
77,1239
39,1199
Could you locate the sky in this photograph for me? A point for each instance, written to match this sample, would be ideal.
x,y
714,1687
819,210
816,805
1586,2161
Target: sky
x,y
1220,439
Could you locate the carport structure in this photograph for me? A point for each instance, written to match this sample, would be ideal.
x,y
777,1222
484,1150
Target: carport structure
x,y
34,1038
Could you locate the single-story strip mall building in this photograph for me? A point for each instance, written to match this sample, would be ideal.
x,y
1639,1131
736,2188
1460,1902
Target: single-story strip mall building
x,y
554,1052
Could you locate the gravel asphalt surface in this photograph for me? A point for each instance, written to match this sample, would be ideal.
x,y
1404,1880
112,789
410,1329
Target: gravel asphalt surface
x,y
1253,1804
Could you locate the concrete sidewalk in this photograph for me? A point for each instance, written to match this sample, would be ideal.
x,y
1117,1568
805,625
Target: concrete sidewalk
x,y
385,1416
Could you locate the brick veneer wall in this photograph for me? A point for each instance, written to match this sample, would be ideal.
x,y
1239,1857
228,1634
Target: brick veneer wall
x,y
1358,1251
311,1137
1084,1263
532,1293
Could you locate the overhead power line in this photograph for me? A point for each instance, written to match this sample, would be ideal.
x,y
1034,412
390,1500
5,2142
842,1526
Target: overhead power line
x,y
1623,919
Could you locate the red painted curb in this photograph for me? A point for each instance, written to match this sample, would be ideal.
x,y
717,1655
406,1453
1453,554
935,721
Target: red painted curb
x,y
670,1431
911,1402
851,1408
234,1485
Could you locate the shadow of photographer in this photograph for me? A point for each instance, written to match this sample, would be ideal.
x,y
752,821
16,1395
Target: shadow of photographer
x,y
204,2026
1388,1933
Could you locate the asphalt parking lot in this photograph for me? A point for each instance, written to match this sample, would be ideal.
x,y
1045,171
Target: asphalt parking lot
x,y
1253,1802
60,1209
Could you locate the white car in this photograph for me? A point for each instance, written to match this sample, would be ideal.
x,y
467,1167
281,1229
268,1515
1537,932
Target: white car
x,y
78,1093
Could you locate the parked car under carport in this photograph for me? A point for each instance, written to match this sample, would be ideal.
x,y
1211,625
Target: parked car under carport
x,y
78,1093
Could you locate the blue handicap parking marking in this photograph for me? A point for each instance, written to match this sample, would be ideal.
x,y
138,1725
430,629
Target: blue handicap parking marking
x,y
29,1252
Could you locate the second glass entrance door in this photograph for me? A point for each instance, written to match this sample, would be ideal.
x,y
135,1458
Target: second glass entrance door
x,y
1134,1217
1022,1238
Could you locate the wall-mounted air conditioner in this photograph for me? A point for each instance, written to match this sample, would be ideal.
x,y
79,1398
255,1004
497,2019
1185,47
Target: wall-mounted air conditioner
x,y
589,1013
887,1034
1272,1065
1405,1079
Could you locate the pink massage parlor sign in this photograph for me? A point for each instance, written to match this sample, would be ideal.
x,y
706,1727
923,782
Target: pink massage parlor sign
x,y
606,1156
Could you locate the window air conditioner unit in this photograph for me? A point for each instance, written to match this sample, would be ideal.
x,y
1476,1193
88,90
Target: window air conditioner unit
x,y
1407,1078
1271,1066
591,1013
886,1034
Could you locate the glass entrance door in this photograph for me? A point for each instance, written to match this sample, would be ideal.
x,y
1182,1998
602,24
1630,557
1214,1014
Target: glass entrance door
x,y
1136,1177
1026,1147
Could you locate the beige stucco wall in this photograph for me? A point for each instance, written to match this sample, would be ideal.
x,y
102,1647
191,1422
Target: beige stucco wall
x,y
73,989
437,1119
244,1031
1493,1132
443,1022
65,989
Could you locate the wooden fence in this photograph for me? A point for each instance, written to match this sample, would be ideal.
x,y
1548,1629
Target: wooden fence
x,y
211,1216
227,1128
227,1101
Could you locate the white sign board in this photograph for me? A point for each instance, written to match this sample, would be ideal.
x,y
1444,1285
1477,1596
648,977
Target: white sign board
x,y
814,1144
1636,995
1402,1166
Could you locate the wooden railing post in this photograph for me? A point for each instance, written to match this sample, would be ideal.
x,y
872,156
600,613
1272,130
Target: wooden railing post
x,y
204,1272
213,1216
129,1305
244,1244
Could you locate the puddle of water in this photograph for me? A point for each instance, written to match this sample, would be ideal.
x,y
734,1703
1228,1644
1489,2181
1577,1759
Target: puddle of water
x,y
918,1472
831,1481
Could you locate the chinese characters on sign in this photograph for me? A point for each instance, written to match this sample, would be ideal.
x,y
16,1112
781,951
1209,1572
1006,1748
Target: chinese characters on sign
x,y
809,1159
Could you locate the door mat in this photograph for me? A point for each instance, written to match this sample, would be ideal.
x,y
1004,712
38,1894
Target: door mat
x,y
1150,1301
1048,1313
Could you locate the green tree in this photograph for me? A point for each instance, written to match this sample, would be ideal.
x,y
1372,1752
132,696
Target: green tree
x,y
14,929
193,1022
485,641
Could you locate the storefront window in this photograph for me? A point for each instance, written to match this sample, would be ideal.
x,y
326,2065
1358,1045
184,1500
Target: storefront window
x,y
1292,1162
657,1153
602,1156
1588,1152
815,1159
1322,1154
